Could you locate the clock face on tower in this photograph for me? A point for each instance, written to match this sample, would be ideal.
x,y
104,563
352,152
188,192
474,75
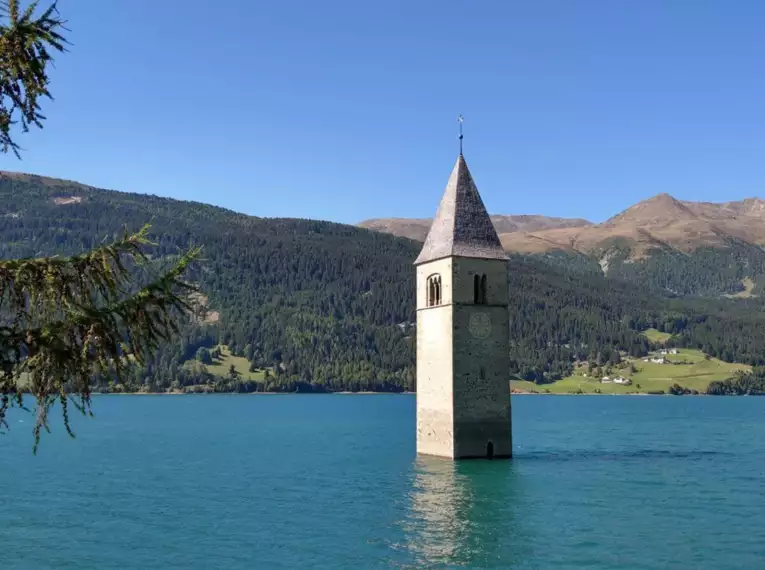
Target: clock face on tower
x,y
480,325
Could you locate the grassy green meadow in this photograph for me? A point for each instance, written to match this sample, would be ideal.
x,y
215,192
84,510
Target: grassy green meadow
x,y
221,366
657,336
690,369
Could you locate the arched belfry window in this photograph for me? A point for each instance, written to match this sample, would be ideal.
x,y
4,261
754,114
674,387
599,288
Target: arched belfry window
x,y
434,290
479,289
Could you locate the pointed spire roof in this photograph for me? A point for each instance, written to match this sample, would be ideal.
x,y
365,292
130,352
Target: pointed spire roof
x,y
462,226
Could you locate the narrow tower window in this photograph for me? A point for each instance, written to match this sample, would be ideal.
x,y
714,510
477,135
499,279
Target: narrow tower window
x,y
479,289
434,290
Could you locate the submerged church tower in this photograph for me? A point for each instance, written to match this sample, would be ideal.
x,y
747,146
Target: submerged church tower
x,y
463,393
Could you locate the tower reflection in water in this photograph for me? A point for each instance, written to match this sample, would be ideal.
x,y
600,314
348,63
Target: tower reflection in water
x,y
467,514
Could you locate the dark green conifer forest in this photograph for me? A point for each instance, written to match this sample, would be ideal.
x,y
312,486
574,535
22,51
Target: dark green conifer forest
x,y
328,307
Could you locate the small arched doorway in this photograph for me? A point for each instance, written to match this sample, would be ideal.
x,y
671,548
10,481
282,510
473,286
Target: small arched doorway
x,y
490,450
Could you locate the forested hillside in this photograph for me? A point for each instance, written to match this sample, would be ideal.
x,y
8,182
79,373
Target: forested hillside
x,y
326,306
707,272
318,301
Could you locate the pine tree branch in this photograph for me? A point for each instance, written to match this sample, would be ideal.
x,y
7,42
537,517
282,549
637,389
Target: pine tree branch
x,y
52,284
26,43
63,356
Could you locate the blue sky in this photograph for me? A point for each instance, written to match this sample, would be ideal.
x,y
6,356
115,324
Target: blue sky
x,y
346,110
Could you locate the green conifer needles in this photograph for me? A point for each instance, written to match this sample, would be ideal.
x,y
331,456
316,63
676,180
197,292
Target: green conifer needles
x,y
27,43
67,320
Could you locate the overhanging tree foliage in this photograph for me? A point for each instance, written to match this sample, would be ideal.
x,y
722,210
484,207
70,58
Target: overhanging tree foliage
x,y
66,321
27,43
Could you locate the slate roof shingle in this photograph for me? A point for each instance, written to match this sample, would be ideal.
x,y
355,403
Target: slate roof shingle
x,y
461,227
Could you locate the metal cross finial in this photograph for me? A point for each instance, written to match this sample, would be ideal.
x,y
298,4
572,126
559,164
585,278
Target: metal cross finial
x,y
460,120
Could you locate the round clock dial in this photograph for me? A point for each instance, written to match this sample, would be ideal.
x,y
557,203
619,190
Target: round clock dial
x,y
480,325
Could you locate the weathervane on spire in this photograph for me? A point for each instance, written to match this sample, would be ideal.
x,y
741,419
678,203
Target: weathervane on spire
x,y
460,120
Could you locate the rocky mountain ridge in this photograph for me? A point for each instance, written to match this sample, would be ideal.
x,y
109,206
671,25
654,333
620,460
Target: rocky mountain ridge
x,y
661,222
417,228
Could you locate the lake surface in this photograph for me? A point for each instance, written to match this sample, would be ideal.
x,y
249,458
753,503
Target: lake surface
x,y
235,482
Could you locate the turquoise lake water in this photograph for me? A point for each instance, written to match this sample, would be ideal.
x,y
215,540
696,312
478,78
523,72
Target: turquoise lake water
x,y
235,482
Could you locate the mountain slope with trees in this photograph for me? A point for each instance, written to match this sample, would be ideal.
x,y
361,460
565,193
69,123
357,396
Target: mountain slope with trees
x,y
672,247
320,302
327,306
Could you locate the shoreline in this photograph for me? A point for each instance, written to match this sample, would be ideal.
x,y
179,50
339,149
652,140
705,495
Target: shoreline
x,y
251,393
367,393
594,394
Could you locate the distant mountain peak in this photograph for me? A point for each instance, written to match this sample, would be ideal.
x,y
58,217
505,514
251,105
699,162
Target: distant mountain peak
x,y
661,221
660,208
748,206
417,228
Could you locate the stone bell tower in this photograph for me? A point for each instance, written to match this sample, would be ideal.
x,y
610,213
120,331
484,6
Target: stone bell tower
x,y
463,392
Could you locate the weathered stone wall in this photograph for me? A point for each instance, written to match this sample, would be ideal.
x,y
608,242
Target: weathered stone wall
x,y
481,389
463,399
435,419
465,270
481,378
